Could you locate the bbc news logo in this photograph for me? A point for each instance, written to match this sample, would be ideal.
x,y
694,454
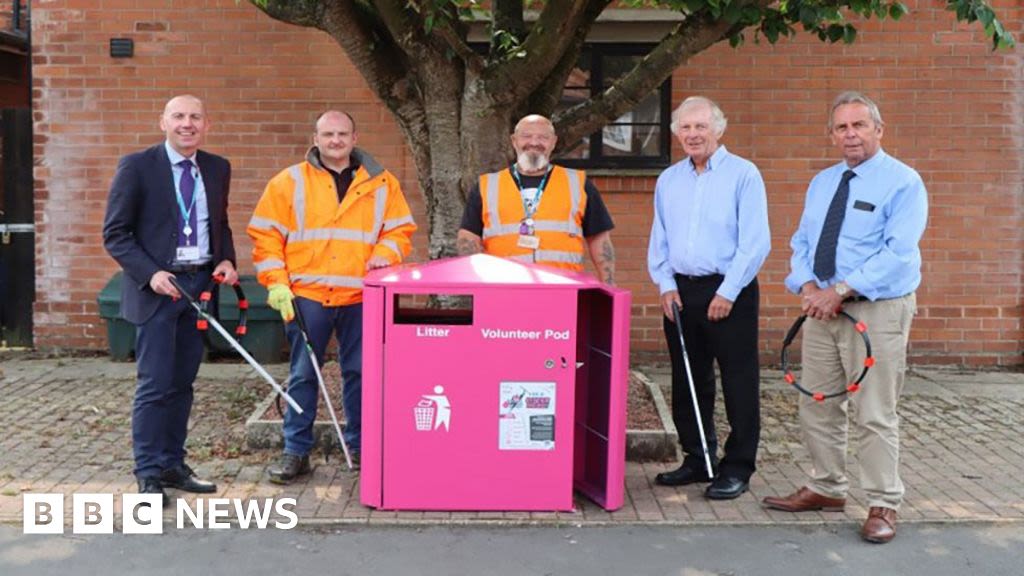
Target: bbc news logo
x,y
143,513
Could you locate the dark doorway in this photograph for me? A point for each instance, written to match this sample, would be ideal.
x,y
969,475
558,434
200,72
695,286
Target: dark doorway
x,y
17,229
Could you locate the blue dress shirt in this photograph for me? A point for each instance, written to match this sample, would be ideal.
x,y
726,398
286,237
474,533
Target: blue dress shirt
x,y
715,222
202,211
886,213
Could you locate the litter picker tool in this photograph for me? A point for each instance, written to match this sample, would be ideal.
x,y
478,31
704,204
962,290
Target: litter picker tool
x,y
693,391
323,386
206,319
852,387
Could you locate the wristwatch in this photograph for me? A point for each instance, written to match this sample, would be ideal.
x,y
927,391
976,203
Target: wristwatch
x,y
842,289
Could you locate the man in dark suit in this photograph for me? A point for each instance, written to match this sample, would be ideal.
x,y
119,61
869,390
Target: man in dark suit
x,y
167,217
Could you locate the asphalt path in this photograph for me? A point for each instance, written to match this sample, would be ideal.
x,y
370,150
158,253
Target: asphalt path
x,y
920,549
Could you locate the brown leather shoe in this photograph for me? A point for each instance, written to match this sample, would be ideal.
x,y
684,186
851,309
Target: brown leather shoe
x,y
804,500
880,527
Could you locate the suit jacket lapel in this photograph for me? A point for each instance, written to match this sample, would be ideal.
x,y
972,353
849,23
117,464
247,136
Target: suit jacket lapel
x,y
165,179
212,185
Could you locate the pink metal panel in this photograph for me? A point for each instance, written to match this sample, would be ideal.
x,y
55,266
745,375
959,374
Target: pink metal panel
x,y
457,464
373,338
474,272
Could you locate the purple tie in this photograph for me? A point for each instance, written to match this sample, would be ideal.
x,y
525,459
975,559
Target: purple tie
x,y
187,186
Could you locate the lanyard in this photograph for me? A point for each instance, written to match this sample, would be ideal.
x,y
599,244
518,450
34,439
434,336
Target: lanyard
x,y
186,213
540,191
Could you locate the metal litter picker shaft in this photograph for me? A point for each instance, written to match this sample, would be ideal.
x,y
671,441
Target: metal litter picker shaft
x,y
237,346
693,391
323,386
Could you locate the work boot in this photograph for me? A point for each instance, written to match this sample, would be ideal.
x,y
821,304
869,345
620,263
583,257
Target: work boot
x,y
288,467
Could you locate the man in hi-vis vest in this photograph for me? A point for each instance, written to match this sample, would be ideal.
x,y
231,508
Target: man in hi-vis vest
x,y
320,225
534,211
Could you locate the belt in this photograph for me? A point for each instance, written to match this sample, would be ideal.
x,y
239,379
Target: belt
x,y
700,279
191,268
866,299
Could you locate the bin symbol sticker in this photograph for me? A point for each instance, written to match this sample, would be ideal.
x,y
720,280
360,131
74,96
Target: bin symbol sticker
x,y
433,411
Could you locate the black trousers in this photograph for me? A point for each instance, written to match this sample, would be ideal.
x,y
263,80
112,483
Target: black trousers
x,y
731,342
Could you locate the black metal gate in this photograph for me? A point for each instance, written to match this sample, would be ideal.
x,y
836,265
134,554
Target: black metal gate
x,y
17,229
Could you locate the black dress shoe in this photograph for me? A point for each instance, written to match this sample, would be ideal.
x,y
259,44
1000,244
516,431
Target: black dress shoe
x,y
682,476
184,478
726,488
152,485
289,466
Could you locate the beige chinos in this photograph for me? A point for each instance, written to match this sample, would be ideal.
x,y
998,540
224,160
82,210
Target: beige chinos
x,y
833,356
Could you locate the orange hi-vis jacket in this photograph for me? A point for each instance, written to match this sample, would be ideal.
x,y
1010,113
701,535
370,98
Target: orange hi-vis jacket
x,y
557,223
303,238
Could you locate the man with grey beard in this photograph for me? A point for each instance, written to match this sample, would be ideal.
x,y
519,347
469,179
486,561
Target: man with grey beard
x,y
534,211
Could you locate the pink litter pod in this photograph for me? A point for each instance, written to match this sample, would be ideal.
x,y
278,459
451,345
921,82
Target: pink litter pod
x,y
509,400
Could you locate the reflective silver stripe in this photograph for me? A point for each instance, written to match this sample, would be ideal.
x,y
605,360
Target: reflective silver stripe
x,y
378,212
575,193
393,223
492,207
391,244
269,264
325,280
556,226
261,223
333,234
299,196
558,256
522,257
502,230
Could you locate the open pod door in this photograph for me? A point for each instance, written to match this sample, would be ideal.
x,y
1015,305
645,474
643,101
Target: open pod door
x,y
602,380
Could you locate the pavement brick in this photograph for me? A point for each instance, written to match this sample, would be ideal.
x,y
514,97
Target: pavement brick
x,y
67,429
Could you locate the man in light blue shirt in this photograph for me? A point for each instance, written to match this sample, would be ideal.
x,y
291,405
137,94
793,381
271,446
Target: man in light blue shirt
x,y
709,238
856,249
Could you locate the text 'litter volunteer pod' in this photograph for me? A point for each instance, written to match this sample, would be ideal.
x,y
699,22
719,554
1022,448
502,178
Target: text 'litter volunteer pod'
x,y
507,401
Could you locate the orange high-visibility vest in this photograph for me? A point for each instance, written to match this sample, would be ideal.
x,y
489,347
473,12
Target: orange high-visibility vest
x,y
303,238
558,221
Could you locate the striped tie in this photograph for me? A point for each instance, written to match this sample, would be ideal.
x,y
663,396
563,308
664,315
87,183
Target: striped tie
x,y
825,255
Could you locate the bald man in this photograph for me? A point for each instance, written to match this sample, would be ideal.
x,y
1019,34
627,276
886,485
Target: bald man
x,y
167,217
534,211
314,259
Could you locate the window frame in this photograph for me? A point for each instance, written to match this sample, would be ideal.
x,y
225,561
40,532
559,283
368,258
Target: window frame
x,y
597,52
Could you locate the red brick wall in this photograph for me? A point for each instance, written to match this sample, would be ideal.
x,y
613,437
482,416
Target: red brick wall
x,y
953,110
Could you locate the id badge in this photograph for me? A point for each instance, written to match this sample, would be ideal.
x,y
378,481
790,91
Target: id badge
x,y
187,253
530,242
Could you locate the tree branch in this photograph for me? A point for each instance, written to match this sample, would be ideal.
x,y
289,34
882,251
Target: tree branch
x,y
695,34
547,95
514,79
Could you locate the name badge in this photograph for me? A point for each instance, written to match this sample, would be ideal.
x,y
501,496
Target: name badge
x,y
187,253
531,242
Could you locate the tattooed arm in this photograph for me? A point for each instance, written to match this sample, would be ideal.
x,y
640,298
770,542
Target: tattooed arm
x,y
467,243
603,254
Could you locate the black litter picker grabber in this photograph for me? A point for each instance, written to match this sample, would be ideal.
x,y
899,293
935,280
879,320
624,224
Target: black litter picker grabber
x,y
206,319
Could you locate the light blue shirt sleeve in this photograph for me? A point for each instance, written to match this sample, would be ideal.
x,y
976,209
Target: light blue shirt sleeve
x,y
754,239
800,264
658,265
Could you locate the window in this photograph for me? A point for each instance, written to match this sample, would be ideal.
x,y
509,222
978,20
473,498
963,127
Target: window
x,y
639,138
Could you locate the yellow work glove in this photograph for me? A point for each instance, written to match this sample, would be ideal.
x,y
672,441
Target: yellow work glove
x,y
280,298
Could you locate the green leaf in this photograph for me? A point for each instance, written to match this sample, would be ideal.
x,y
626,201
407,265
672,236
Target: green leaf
x,y
849,34
834,32
897,10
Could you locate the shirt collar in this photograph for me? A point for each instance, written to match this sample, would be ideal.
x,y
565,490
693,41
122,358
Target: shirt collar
x,y
175,157
716,158
868,166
